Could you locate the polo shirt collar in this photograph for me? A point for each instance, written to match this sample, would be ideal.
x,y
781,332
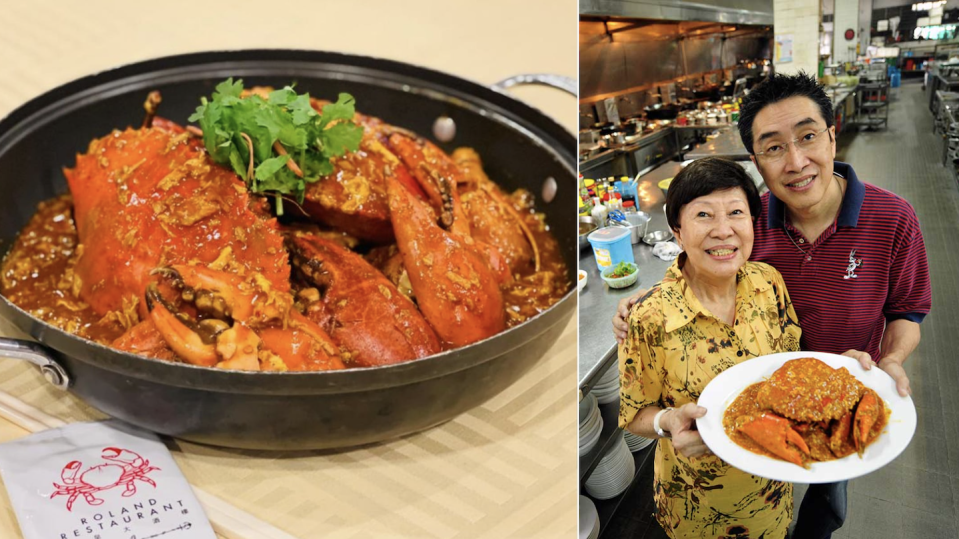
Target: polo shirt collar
x,y
680,304
851,202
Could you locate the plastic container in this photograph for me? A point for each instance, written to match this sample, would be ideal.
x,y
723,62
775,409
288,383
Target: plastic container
x,y
629,190
611,246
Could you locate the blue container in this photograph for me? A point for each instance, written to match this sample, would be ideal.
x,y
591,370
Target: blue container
x,y
611,245
628,190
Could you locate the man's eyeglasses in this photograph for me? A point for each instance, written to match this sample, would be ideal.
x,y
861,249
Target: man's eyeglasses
x,y
777,150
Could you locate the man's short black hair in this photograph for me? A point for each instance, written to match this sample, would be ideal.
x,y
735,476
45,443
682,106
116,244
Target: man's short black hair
x,y
778,87
705,176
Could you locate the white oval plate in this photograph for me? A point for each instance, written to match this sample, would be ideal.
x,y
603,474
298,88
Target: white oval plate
x,y
723,390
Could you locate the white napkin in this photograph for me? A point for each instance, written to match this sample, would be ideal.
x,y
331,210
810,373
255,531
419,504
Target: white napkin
x,y
100,480
667,250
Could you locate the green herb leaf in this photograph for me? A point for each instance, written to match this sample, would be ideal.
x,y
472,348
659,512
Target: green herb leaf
x,y
270,167
622,269
310,138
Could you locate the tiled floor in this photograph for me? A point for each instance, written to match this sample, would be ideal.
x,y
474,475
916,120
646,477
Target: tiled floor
x,y
917,495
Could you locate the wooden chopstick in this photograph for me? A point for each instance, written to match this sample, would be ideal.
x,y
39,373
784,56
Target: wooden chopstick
x,y
227,519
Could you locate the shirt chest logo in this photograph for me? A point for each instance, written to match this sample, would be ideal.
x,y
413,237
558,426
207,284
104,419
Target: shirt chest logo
x,y
854,263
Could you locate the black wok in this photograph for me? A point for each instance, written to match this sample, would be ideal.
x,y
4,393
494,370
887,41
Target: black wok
x,y
520,147
662,112
708,93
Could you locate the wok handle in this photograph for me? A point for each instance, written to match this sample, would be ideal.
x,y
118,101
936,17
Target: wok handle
x,y
566,84
40,356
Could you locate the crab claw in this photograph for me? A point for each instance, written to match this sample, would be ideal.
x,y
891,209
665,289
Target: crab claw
x,y
179,333
363,311
248,326
121,455
70,472
772,432
219,293
454,286
438,176
840,433
867,413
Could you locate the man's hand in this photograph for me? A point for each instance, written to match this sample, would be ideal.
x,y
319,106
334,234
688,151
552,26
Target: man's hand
x,y
681,426
893,367
621,317
890,364
863,358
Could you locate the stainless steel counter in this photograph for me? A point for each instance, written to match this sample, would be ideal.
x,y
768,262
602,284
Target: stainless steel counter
x,y
632,144
939,82
727,144
597,302
839,95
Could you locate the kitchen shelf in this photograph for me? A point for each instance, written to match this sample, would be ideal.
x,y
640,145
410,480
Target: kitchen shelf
x,y
872,105
588,462
607,508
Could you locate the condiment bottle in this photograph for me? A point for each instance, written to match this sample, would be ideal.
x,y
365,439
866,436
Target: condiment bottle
x,y
599,214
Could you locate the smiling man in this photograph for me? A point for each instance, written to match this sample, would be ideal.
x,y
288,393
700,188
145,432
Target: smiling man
x,y
851,254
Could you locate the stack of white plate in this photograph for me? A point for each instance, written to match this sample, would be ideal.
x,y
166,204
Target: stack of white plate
x,y
614,472
588,518
635,443
590,423
607,387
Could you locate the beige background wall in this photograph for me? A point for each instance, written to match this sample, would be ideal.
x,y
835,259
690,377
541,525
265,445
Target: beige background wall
x,y
800,19
44,43
846,16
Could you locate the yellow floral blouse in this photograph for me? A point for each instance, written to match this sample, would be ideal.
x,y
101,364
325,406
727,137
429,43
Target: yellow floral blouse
x,y
674,348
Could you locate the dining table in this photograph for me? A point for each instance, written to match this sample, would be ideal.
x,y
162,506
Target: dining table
x,y
507,468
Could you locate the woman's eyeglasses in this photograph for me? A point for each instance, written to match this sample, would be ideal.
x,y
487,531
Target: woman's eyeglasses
x,y
777,150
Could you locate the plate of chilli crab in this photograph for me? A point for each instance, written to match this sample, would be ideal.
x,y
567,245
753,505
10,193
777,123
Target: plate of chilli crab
x,y
805,417
283,249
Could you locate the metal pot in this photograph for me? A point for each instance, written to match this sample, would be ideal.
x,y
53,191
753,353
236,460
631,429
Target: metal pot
x,y
633,126
636,222
287,410
586,225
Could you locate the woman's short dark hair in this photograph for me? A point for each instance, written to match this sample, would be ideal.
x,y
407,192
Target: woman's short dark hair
x,y
778,87
705,176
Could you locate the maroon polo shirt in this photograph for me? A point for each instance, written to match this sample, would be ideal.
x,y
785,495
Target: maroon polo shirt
x,y
868,268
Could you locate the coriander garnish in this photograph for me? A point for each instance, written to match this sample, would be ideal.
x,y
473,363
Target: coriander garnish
x,y
283,127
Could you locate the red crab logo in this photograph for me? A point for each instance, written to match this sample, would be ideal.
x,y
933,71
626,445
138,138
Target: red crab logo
x,y
127,467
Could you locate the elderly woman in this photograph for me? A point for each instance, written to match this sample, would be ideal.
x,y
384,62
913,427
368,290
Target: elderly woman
x,y
712,310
